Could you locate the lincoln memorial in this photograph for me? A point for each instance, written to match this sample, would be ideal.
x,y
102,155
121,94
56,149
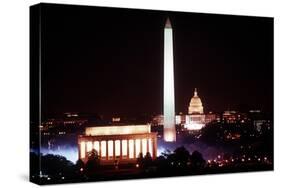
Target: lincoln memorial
x,y
121,143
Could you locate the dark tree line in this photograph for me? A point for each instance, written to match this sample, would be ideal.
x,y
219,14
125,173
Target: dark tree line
x,y
55,168
178,162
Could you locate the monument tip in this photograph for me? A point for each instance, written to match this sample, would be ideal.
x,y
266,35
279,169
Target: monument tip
x,y
168,23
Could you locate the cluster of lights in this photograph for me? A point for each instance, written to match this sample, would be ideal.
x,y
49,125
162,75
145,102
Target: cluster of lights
x,y
116,119
47,177
69,122
194,126
71,115
219,161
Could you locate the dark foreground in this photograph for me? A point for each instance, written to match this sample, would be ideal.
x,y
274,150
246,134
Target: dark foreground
x,y
56,169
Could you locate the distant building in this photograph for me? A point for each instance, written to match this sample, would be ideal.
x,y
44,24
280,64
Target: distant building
x,y
196,119
195,105
259,120
231,117
115,119
180,119
122,143
210,117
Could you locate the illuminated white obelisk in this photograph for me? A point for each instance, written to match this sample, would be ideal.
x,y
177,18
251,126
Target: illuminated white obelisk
x,y
169,90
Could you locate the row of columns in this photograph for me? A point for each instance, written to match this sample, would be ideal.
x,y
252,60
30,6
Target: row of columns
x,y
131,144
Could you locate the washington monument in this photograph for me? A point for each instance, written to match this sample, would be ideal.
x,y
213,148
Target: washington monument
x,y
169,90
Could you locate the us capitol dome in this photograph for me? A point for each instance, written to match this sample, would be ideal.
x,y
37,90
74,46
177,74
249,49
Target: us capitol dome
x,y
195,120
195,105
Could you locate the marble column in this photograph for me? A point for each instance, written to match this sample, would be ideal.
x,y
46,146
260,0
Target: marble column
x,y
121,150
106,150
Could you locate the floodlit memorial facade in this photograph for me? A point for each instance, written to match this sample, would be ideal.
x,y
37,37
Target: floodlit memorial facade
x,y
122,143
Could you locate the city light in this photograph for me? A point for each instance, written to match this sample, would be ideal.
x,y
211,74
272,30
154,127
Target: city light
x,y
194,126
116,119
169,135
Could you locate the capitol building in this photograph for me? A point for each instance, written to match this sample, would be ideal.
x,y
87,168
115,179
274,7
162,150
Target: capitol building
x,y
195,120
195,105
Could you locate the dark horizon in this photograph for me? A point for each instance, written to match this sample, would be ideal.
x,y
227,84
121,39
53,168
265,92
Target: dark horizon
x,y
110,60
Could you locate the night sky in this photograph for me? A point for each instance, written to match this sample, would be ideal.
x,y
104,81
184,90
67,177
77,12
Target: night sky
x,y
110,61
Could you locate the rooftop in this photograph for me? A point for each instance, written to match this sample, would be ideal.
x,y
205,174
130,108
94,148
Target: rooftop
x,y
117,130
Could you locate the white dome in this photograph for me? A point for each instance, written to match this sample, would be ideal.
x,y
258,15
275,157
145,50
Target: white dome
x,y
195,105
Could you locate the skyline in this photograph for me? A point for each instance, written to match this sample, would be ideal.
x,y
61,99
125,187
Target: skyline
x,y
90,68
107,86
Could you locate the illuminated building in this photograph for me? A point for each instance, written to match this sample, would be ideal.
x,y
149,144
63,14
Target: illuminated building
x,y
260,120
69,114
121,143
195,105
196,119
194,122
169,95
259,124
230,116
159,119
116,119
179,119
211,117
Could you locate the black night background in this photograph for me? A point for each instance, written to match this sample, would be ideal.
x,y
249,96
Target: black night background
x,y
106,60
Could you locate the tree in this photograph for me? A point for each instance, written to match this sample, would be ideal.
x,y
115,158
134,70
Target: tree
x,y
197,160
140,160
179,159
182,155
93,164
79,167
147,161
57,167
